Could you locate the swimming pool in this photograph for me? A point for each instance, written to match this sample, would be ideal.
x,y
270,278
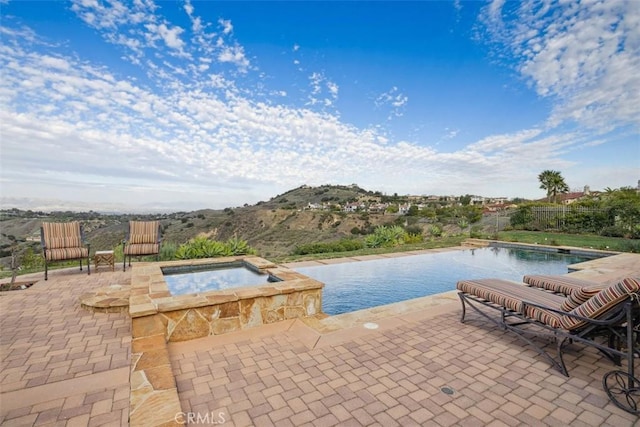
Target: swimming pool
x,y
352,286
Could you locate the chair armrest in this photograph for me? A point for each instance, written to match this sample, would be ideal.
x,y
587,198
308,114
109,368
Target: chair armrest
x,y
42,242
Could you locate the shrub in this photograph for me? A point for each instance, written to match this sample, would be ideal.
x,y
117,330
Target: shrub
x,y
475,232
343,245
414,229
612,231
201,247
436,230
168,251
385,237
413,238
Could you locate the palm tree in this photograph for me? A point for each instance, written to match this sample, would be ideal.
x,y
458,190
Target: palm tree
x,y
553,182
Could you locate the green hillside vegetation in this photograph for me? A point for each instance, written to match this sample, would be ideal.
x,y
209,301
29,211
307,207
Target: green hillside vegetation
x,y
309,222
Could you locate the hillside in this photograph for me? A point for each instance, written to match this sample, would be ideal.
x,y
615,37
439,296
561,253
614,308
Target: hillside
x,y
273,227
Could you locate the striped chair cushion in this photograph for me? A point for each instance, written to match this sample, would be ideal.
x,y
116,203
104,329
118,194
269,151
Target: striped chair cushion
x,y
561,284
143,231
602,302
582,295
142,249
66,253
59,235
510,295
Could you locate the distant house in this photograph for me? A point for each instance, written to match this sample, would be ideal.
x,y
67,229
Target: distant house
x,y
378,207
403,208
314,206
354,207
574,196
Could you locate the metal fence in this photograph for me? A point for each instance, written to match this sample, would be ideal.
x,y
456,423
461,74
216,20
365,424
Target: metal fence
x,y
559,217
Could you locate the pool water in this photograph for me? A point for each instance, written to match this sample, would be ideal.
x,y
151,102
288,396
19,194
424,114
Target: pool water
x,y
352,286
192,282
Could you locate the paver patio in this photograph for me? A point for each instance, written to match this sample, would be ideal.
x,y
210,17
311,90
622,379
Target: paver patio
x,y
63,365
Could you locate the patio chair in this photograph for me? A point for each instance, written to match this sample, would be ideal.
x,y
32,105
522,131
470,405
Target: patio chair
x,y
62,241
142,238
607,319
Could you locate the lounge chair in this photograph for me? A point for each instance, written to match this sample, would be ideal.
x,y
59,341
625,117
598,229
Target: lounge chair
x,y
142,238
608,319
62,241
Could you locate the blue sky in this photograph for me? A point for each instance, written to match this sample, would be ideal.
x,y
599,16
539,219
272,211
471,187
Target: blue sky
x,y
201,104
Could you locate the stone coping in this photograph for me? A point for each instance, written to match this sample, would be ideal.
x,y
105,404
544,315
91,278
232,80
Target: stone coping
x,y
150,293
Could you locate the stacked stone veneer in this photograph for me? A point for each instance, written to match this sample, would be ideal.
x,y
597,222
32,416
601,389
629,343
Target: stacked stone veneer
x,y
158,317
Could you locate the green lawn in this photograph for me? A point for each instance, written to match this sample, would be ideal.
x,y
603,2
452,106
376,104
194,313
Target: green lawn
x,y
590,241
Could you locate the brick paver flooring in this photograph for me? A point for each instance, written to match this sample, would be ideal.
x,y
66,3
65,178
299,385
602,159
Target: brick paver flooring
x,y
397,377
60,364
65,366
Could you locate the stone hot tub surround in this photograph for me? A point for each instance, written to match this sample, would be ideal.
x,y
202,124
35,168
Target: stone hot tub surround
x,y
291,295
159,317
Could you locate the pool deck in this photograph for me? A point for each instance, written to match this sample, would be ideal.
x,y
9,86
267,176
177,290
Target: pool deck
x,y
65,366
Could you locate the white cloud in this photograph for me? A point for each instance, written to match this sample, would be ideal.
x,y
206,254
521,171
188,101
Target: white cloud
x,y
234,55
170,36
192,134
323,91
393,100
580,55
227,28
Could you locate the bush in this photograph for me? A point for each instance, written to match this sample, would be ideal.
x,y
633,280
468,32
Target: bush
x,y
436,230
385,237
201,247
344,245
475,232
168,251
414,229
612,231
413,238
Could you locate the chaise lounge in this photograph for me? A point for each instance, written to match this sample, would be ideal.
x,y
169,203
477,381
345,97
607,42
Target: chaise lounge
x,y
63,241
604,317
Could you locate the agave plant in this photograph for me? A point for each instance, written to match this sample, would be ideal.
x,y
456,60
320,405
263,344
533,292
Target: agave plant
x,y
202,247
237,246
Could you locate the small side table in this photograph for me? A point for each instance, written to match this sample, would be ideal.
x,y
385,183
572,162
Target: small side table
x,y
104,258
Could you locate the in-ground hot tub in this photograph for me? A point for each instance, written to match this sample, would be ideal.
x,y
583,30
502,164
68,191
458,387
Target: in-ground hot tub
x,y
191,279
280,294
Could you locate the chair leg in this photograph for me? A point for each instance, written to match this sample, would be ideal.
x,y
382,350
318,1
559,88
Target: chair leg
x,y
80,264
124,262
46,271
88,265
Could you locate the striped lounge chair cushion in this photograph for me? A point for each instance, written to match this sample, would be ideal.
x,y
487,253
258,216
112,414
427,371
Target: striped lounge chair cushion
x,y
582,295
602,302
561,284
511,295
58,235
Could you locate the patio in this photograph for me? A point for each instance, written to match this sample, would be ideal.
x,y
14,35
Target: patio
x,y
63,365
